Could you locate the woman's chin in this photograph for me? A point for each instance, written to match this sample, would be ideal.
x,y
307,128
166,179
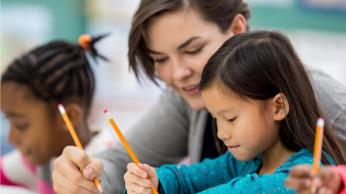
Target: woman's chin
x,y
195,102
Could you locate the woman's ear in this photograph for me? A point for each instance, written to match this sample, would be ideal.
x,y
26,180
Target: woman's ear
x,y
75,112
238,25
280,107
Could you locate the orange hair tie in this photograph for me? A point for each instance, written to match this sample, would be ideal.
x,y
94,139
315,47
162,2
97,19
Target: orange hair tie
x,y
84,41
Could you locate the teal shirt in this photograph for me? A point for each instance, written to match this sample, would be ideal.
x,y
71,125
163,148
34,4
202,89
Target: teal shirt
x,y
226,174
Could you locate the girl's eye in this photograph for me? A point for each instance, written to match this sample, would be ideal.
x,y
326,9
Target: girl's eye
x,y
22,126
194,51
232,119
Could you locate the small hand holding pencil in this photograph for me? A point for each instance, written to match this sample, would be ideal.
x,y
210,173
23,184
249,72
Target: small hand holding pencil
x,y
139,178
75,138
313,178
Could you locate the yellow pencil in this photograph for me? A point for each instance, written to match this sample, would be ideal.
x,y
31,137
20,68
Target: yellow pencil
x,y
318,146
75,138
124,142
317,150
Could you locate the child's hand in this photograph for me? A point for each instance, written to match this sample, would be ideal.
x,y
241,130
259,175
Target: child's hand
x,y
67,176
136,178
302,180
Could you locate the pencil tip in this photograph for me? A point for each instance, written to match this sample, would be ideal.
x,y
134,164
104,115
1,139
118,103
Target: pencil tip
x,y
105,110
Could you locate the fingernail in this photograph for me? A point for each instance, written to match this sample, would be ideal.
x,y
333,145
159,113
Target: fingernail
x,y
144,175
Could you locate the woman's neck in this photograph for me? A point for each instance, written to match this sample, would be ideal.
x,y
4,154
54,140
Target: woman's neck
x,y
274,158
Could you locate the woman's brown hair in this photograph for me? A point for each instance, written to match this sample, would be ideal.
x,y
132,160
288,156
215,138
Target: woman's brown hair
x,y
220,12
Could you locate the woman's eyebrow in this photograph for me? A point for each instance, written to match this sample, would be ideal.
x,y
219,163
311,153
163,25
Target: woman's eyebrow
x,y
187,42
154,52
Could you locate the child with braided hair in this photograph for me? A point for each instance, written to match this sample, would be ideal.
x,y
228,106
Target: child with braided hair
x,y
31,88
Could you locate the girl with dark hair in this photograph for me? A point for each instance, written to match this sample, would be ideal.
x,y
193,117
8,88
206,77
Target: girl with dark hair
x,y
258,92
31,88
171,41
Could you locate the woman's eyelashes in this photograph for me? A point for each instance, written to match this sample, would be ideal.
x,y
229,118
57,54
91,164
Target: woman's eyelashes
x,y
163,60
160,60
194,51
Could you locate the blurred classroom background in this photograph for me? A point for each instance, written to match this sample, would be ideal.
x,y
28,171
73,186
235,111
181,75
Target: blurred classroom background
x,y
317,29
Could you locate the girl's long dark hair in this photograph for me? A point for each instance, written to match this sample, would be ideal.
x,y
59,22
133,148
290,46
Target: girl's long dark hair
x,y
261,64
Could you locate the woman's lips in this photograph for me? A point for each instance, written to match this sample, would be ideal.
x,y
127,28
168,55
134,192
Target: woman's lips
x,y
191,90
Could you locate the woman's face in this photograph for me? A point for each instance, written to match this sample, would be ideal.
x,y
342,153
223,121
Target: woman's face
x,y
180,44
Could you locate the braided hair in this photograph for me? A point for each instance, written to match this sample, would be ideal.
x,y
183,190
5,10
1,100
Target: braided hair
x,y
57,71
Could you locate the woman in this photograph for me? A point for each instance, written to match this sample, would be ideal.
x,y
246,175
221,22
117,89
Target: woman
x,y
172,40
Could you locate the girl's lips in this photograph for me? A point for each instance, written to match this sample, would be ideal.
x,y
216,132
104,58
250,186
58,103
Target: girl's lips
x,y
233,147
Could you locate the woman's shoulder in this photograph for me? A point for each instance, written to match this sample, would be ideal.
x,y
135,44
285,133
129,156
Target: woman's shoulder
x,y
172,96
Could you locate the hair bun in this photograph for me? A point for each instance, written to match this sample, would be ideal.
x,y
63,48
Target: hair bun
x,y
85,41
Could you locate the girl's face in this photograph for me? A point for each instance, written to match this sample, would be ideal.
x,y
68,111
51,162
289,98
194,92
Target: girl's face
x,y
35,129
247,127
180,44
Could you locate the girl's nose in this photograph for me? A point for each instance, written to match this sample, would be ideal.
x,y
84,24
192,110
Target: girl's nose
x,y
223,134
13,137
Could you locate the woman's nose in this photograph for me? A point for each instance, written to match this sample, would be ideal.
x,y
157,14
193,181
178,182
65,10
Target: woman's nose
x,y
181,71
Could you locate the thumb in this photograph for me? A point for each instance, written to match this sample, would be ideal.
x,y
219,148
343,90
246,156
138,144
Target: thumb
x,y
93,169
